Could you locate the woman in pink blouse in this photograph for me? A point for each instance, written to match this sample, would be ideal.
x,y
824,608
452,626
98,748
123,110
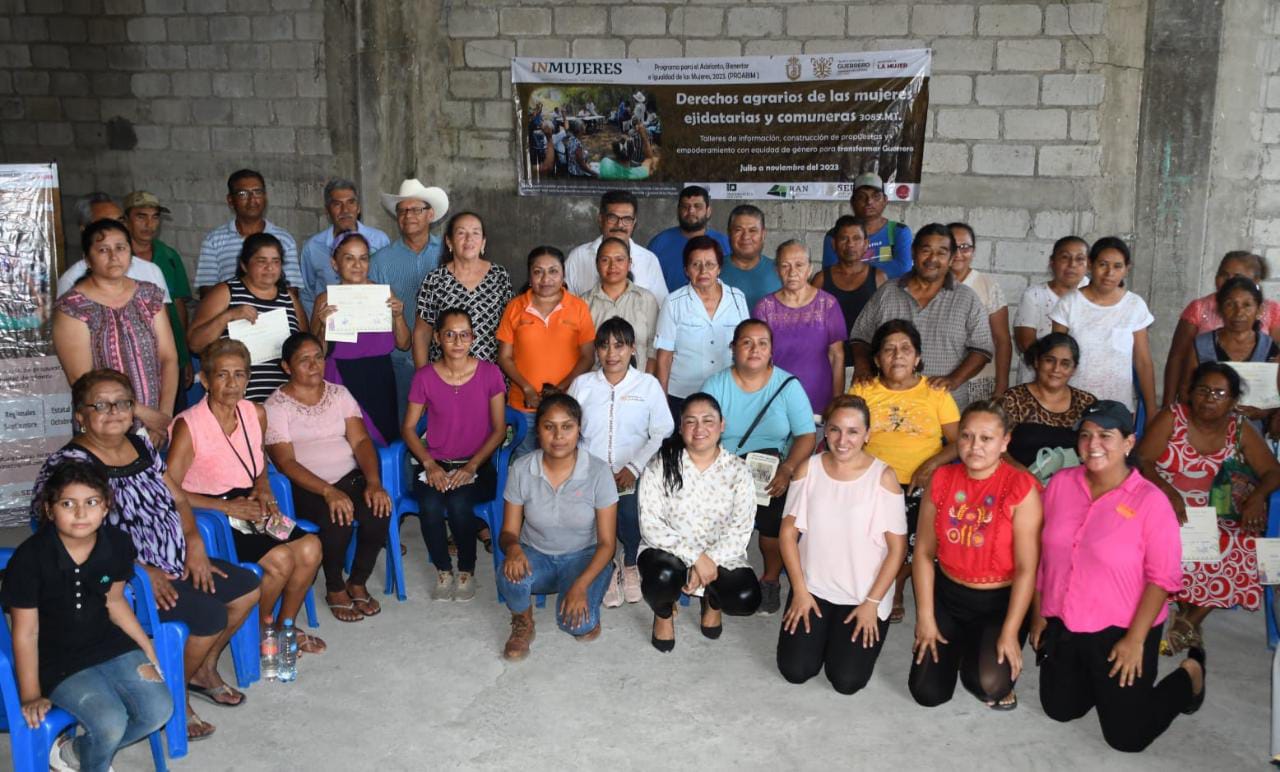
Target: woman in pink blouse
x,y
1110,556
316,437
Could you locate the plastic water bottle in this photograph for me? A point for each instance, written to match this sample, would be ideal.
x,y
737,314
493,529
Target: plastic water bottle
x,y
288,652
270,653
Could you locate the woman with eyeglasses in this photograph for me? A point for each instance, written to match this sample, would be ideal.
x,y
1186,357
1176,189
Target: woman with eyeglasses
x,y
210,596
696,324
1068,265
993,379
110,320
363,365
1186,453
259,287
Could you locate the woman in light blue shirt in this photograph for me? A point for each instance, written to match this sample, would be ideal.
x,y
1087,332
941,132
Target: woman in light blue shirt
x,y
765,410
696,324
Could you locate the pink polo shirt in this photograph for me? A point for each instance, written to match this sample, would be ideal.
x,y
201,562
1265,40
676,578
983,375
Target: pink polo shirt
x,y
1097,557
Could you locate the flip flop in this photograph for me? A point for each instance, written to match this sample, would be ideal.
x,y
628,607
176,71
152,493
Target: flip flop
x,y
897,615
194,720
304,639
371,607
1005,707
211,693
345,607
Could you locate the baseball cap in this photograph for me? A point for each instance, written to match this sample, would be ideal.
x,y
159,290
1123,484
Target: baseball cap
x,y
868,180
142,198
1108,414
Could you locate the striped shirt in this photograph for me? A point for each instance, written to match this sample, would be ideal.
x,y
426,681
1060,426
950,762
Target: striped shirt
x,y
266,377
221,248
405,270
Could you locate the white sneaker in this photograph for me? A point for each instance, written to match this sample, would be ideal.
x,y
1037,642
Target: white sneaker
x,y
444,586
613,595
466,589
631,584
62,755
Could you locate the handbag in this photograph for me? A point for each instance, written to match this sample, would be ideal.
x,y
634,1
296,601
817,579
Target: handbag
x,y
1051,460
1234,481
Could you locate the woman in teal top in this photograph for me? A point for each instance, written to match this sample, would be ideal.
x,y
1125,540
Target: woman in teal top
x,y
765,410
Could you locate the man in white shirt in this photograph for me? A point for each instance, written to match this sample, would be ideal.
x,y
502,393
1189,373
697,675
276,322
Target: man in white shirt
x,y
100,206
618,220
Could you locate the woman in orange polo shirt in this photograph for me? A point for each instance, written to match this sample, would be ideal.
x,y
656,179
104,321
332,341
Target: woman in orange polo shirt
x,y
545,339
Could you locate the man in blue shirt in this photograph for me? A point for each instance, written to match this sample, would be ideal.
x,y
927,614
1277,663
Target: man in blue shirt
x,y
747,269
693,212
342,202
888,242
405,262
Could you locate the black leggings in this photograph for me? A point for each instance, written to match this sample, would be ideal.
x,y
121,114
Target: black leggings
x,y
970,620
334,538
1073,679
736,591
829,642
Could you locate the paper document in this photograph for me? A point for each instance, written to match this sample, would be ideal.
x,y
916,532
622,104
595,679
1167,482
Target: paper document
x,y
1268,560
1259,383
763,467
264,337
1200,536
361,308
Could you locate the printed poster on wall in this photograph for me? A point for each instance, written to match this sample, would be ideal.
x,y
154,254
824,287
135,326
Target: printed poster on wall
x,y
35,402
753,127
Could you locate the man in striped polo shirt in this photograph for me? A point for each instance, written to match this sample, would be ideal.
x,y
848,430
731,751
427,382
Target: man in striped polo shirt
x,y
247,197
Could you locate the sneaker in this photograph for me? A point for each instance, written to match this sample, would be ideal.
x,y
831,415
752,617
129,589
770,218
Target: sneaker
x,y
522,634
770,598
631,584
613,595
62,755
444,586
466,587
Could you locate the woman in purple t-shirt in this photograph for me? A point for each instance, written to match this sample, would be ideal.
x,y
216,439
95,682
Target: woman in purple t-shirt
x,y
464,400
808,326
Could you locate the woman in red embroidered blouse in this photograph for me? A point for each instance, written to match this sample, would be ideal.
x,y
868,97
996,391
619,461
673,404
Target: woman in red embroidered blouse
x,y
981,522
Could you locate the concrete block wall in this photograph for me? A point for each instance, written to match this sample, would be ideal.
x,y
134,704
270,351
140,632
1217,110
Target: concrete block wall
x,y
1264,230
1015,143
170,96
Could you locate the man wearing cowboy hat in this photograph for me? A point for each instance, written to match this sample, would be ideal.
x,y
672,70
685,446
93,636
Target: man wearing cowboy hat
x,y
640,110
405,262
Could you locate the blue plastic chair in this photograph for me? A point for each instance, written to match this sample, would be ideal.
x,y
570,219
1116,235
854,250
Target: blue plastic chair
x,y
29,748
399,486
1269,591
244,642
170,640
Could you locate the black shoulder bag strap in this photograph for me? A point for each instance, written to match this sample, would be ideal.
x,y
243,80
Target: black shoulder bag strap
x,y
760,415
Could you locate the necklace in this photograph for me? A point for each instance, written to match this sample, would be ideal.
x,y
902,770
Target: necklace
x,y
453,376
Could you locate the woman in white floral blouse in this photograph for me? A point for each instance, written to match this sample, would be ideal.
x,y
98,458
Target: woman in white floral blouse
x,y
697,511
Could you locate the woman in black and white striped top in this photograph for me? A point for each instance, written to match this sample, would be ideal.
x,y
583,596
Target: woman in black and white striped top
x,y
259,287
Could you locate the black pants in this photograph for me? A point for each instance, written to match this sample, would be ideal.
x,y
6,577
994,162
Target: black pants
x,y
970,620
1073,679
735,592
334,538
828,643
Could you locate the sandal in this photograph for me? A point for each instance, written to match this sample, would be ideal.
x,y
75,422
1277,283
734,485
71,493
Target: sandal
x,y
897,614
352,614
365,604
198,728
211,693
310,644
485,539
1005,704
1179,636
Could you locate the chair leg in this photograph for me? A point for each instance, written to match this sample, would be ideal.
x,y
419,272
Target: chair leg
x,y
157,751
395,563
310,602
172,640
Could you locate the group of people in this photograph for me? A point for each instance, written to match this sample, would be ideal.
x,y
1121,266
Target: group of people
x,y
678,397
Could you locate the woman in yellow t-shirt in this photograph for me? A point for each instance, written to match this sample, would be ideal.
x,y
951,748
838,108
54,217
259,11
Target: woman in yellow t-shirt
x,y
910,420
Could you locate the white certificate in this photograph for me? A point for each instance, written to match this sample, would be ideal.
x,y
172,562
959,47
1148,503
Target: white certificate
x,y
1200,536
1259,383
763,467
361,308
1268,560
263,337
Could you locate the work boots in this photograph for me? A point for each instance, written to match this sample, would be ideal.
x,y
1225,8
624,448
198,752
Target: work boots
x,y
522,634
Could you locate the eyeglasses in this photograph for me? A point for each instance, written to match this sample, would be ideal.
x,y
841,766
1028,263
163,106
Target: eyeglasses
x,y
707,267
614,219
964,247
245,195
416,211
120,405
457,335
1209,393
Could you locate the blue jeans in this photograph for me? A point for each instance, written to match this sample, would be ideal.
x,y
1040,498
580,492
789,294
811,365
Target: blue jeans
x,y
554,574
530,441
115,704
629,527
402,366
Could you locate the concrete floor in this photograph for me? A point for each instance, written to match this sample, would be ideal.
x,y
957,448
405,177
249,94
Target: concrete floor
x,y
423,686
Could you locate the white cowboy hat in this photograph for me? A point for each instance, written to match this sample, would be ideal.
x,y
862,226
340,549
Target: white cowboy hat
x,y
638,96
433,197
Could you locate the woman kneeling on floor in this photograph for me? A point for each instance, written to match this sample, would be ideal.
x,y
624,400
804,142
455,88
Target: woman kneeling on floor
x,y
697,511
849,506
559,529
980,520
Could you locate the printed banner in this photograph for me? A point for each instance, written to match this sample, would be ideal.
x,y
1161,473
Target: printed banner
x,y
754,127
35,402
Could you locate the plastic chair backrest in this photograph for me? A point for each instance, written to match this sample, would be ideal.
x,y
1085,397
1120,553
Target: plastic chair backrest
x,y
282,489
1269,592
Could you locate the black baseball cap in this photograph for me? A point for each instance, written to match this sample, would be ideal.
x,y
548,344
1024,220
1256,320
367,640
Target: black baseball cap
x,y
1108,414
